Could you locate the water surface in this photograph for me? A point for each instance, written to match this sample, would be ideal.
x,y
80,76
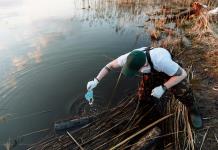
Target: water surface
x,y
50,49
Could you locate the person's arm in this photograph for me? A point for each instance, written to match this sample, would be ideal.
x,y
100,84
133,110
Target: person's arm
x,y
116,63
177,78
104,71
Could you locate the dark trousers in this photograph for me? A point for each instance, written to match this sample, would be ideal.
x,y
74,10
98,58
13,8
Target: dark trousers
x,y
181,91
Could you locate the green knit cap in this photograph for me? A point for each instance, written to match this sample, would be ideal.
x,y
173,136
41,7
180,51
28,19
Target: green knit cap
x,y
135,60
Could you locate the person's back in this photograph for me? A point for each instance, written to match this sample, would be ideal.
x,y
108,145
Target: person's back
x,y
160,57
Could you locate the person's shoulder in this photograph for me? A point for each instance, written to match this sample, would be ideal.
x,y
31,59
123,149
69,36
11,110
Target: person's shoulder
x,y
140,49
122,59
159,49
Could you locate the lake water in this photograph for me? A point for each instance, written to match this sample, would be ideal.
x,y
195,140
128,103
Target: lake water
x,y
50,49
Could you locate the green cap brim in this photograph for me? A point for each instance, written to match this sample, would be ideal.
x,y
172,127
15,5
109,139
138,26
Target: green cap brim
x,y
128,72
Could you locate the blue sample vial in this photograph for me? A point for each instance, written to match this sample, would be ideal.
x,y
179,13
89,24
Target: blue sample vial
x,y
89,97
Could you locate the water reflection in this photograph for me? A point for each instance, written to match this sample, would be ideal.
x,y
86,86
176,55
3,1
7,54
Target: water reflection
x,y
120,15
43,55
19,62
36,55
27,28
22,64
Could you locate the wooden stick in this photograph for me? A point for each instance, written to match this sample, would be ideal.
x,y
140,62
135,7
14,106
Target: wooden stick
x,y
137,133
165,135
75,141
204,138
215,138
103,133
114,90
116,137
27,134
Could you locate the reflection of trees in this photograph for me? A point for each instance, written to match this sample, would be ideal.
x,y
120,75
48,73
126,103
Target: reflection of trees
x,y
36,55
21,64
121,13
114,12
34,44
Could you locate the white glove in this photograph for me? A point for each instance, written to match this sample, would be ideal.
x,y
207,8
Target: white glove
x,y
92,84
158,91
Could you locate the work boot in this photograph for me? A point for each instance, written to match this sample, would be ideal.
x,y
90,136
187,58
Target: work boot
x,y
194,117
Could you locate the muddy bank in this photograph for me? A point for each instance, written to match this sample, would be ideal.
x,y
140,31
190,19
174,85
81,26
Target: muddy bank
x,y
194,42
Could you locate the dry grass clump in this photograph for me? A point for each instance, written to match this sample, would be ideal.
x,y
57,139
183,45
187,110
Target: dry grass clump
x,y
184,136
212,60
189,30
205,38
202,25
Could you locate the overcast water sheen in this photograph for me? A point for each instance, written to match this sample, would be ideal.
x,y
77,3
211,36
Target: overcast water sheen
x,y
49,50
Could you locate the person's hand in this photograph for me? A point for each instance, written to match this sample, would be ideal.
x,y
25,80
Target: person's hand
x,y
92,84
158,91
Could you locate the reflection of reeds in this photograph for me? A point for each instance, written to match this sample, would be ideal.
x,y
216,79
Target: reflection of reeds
x,y
124,2
8,145
122,13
